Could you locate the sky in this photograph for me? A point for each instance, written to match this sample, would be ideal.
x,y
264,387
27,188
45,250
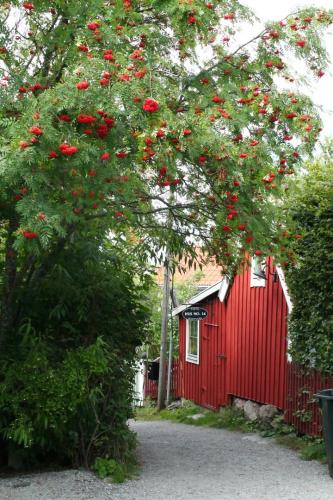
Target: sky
x,y
321,91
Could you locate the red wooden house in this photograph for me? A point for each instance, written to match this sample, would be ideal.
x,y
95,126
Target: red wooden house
x,y
240,348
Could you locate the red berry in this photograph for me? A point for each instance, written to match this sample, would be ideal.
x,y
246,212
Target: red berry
x,y
150,105
36,131
217,99
121,154
93,26
28,5
105,156
30,235
160,134
85,119
82,85
64,118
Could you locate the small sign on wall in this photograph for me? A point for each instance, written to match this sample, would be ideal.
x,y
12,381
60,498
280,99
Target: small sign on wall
x,y
195,313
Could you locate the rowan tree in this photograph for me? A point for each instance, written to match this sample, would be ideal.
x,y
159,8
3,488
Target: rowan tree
x,y
106,107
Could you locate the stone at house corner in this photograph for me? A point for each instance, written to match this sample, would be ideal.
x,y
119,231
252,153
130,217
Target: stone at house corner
x,y
267,413
239,403
174,405
197,416
251,410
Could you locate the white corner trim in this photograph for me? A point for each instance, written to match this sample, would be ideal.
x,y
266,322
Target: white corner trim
x,y
190,358
220,287
284,288
223,289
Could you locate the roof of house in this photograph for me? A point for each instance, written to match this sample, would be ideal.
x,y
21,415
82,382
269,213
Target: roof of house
x,y
212,273
222,286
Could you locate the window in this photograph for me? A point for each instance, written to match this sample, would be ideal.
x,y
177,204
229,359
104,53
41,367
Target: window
x,y
258,272
192,340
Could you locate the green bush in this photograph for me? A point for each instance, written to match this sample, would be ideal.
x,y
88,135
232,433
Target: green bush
x,y
107,467
311,280
66,375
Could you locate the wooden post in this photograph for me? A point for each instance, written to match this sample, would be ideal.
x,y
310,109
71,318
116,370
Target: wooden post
x,y
164,335
169,380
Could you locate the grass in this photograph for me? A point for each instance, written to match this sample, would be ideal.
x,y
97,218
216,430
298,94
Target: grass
x,y
308,448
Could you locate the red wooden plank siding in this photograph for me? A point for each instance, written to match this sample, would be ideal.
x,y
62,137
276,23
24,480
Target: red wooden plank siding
x,y
252,333
257,332
150,386
301,410
205,383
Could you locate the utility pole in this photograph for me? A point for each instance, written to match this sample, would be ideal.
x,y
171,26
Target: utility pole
x,y
165,317
169,380
164,334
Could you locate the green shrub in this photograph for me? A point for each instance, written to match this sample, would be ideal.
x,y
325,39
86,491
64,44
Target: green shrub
x,y
66,375
311,280
107,467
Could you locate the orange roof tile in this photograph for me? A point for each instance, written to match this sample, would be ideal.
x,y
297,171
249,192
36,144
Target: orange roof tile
x,y
211,272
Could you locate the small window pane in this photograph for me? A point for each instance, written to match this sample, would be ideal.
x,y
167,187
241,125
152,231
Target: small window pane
x,y
193,340
258,272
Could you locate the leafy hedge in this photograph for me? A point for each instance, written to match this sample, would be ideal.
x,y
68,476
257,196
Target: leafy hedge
x,y
66,375
311,279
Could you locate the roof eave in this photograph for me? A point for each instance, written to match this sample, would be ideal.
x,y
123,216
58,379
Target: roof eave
x,y
221,287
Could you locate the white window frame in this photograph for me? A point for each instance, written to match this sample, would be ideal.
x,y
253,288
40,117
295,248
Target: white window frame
x,y
256,280
192,358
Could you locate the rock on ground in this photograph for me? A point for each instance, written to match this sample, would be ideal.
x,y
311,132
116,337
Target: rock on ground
x,y
238,404
267,413
251,410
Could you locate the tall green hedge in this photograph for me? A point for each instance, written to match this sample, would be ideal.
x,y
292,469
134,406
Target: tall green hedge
x,y
311,279
66,374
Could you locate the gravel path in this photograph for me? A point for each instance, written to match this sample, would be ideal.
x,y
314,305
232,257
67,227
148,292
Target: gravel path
x,y
182,462
60,485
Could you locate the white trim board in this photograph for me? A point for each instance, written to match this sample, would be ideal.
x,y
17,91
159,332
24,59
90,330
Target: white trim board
x,y
190,358
221,287
284,288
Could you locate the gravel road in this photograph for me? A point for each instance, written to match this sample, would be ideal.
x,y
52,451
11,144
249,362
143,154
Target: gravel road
x,y
182,462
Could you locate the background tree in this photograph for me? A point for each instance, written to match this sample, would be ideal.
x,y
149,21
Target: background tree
x,y
105,107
